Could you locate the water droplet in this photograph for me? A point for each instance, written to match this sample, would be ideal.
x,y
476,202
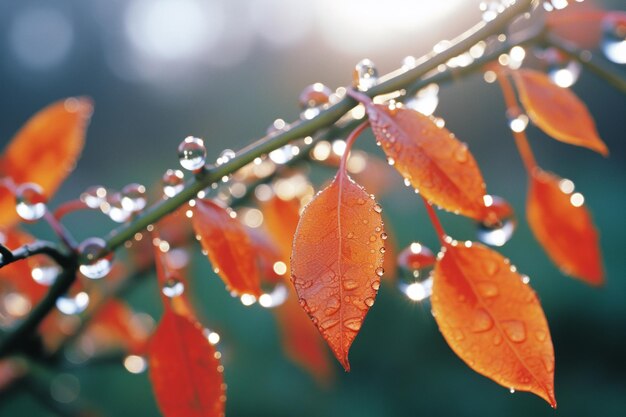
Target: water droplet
x,y
500,222
133,198
135,364
75,304
192,153
94,196
515,330
541,335
225,156
424,101
96,262
491,267
384,236
30,202
457,334
548,363
332,306
372,238
173,287
360,201
273,297
114,208
378,208
350,235
382,249
497,339
380,271
284,154
312,98
328,323
376,285
461,153
369,301
481,322
45,274
350,284
487,289
512,390
490,9
353,324
173,182
518,122
365,75
614,39
563,71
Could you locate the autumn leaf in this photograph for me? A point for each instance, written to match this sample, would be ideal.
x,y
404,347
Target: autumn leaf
x,y
113,324
228,247
337,259
429,157
557,111
280,218
493,320
564,227
44,151
185,372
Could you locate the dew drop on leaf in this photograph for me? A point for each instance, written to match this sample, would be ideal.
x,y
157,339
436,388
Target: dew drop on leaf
x,y
192,153
30,202
365,75
96,262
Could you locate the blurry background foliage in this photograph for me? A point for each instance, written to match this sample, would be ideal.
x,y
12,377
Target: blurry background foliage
x,y
160,70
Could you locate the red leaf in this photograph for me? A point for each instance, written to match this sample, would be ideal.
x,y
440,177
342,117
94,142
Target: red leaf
x,y
228,246
493,320
113,324
185,373
301,341
18,274
557,111
563,226
431,158
45,150
281,218
337,261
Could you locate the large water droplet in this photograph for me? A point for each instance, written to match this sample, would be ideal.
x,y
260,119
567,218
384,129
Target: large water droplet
x,y
273,296
614,39
192,153
380,271
73,304
45,274
94,196
365,75
487,289
515,330
133,198
173,287
500,222
350,284
173,182
481,322
312,99
30,202
353,324
425,100
328,323
415,264
95,261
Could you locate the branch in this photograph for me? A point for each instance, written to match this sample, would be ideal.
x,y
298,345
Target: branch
x,y
31,249
397,80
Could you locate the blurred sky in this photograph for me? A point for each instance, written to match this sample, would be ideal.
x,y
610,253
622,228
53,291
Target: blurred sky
x,y
160,70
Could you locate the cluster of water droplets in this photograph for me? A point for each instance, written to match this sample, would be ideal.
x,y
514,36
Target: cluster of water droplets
x,y
119,206
499,227
415,263
30,202
192,154
95,260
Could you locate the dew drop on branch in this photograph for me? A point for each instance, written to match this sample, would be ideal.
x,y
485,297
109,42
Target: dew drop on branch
x,y
133,198
613,42
415,263
365,75
30,202
73,304
96,262
173,182
192,153
498,228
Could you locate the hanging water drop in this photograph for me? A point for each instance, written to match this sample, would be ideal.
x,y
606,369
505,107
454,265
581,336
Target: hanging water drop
x,y
133,198
30,202
273,296
365,75
173,182
173,287
95,261
415,264
425,100
192,153
94,196
500,222
73,304
614,39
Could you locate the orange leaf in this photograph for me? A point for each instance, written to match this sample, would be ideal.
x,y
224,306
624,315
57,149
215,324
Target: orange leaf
x,y
438,165
228,246
281,218
557,111
493,320
185,372
337,261
45,150
563,226
301,341
113,324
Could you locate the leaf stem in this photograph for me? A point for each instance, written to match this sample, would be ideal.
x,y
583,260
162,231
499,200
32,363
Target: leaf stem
x,y
394,81
434,219
513,110
349,142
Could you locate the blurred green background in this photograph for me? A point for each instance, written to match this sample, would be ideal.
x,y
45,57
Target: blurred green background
x,y
160,70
